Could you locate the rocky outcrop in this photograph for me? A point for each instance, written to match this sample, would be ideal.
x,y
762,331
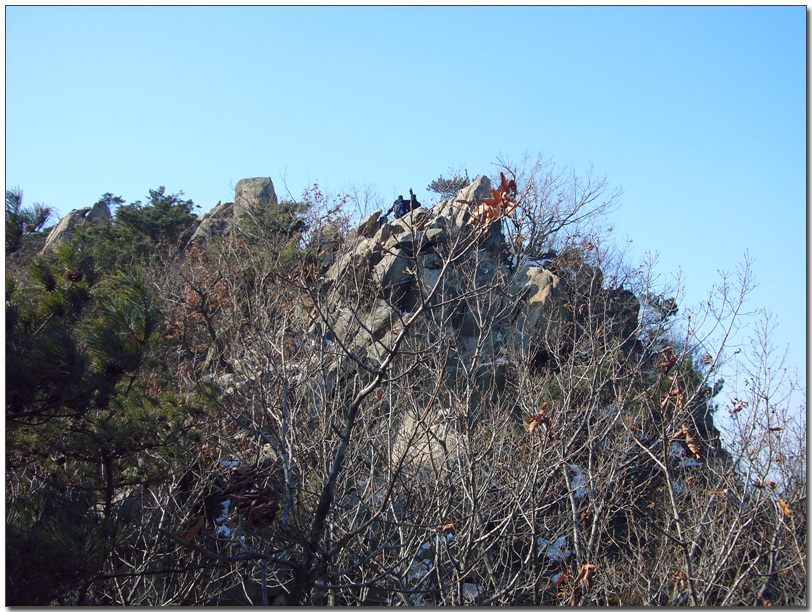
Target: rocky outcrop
x,y
400,263
89,215
253,193
483,312
249,194
214,223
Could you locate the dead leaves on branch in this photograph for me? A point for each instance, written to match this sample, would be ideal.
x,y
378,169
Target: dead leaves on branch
x,y
502,203
670,360
587,575
740,405
691,439
191,528
540,419
258,505
675,392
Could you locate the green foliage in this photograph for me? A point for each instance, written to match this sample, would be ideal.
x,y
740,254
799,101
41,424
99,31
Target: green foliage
x,y
52,542
140,230
83,401
163,219
126,317
21,220
448,187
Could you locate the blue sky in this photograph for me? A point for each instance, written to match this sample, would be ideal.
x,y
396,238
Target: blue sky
x,y
697,113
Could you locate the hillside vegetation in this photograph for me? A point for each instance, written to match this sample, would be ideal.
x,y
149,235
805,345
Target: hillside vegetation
x,y
310,402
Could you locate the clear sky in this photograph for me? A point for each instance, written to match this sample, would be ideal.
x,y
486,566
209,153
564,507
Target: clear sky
x,y
697,113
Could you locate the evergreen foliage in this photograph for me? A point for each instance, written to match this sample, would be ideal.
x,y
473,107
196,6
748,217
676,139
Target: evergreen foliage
x,y
447,188
141,230
22,220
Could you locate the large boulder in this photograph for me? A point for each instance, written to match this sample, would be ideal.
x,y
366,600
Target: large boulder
x,y
98,213
249,194
456,213
253,193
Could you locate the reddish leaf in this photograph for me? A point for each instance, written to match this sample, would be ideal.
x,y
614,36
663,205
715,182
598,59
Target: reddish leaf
x,y
691,439
670,360
539,419
587,573
562,578
741,405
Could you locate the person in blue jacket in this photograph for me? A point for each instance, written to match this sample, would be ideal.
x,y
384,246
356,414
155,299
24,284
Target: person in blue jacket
x,y
402,207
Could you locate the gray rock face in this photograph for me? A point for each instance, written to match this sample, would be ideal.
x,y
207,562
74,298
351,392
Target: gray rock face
x,y
398,263
252,193
249,194
214,223
484,313
98,213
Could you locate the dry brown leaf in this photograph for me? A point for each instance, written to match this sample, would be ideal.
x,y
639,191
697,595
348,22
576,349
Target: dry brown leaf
x,y
501,204
670,360
562,578
679,580
785,509
691,439
587,573
741,405
575,598
539,419
695,446
191,528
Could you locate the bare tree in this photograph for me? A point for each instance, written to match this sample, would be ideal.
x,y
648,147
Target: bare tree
x,y
450,412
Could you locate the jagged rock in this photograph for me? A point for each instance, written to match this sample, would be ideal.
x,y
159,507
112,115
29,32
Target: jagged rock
x,y
432,440
214,223
248,194
401,261
536,290
456,214
392,274
367,227
488,312
97,213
